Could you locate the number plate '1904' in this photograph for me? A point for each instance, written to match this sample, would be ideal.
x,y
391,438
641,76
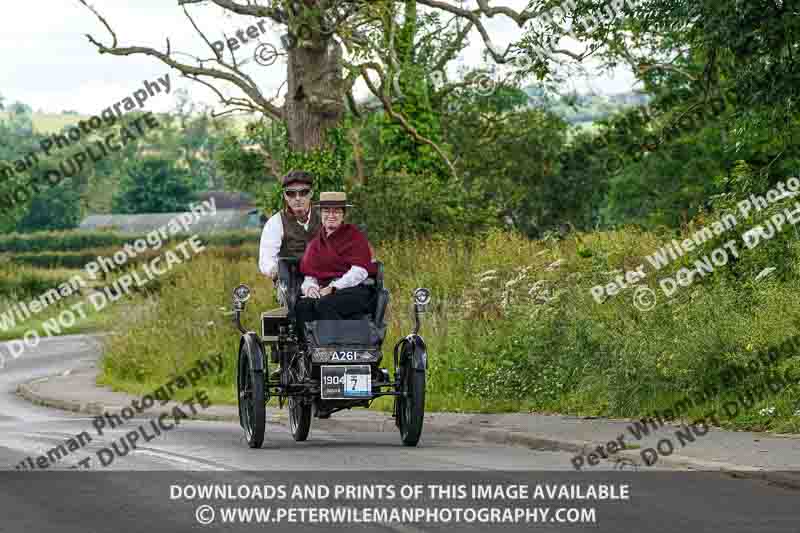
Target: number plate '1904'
x,y
345,381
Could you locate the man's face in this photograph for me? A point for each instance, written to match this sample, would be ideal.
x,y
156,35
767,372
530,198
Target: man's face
x,y
332,218
298,198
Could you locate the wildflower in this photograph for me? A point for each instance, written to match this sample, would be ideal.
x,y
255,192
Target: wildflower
x,y
536,288
487,273
764,273
767,411
488,278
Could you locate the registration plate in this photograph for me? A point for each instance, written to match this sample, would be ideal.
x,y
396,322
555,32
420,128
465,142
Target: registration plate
x,y
346,381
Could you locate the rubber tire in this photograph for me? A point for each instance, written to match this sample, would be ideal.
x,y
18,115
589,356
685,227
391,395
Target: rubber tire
x,y
299,419
253,413
411,410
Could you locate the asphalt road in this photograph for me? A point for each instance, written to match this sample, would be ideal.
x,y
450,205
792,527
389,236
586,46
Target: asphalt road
x,y
133,493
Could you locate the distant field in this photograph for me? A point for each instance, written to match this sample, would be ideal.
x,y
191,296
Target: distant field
x,y
53,122
50,122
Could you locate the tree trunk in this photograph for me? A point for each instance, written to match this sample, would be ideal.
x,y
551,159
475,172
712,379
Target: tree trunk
x,y
315,98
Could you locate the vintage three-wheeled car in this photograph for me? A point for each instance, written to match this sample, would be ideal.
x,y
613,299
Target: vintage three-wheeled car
x,y
337,366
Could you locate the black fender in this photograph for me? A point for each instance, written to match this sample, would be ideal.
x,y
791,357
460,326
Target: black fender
x,y
416,348
255,351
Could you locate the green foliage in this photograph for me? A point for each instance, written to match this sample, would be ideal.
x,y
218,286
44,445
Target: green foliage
x,y
328,166
775,253
235,245
667,187
190,136
153,185
512,161
245,170
17,139
76,241
401,204
410,189
56,208
27,283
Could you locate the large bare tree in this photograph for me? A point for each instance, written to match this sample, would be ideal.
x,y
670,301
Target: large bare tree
x,y
331,44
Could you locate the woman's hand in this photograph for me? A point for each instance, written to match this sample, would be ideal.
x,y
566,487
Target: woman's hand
x,y
312,292
326,291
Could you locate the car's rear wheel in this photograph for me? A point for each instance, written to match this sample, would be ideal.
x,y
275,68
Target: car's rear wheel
x,y
299,418
299,407
411,406
252,404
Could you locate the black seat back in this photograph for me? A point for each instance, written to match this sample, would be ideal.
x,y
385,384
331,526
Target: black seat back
x,y
357,332
382,296
381,302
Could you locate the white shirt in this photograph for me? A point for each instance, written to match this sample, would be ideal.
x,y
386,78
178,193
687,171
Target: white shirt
x,y
271,240
351,278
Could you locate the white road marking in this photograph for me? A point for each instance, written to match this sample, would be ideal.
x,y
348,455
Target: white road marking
x,y
191,464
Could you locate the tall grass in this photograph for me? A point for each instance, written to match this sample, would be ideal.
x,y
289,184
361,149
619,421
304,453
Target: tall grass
x,y
512,326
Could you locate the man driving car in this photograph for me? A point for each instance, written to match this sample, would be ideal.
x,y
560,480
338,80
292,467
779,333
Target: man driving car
x,y
287,232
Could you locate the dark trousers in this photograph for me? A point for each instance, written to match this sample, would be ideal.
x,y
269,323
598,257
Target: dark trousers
x,y
341,305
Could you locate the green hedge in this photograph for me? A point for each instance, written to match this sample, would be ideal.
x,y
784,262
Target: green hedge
x,y
74,241
72,260
27,285
78,260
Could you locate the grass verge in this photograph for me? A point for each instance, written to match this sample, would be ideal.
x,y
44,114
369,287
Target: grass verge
x,y
512,327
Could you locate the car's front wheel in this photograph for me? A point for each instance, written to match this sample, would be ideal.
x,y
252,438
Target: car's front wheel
x,y
411,405
252,403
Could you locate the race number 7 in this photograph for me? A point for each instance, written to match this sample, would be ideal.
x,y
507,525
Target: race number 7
x,y
354,382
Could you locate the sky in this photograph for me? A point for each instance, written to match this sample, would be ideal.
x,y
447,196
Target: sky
x,y
47,62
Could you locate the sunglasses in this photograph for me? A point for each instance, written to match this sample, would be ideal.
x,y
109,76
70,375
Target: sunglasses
x,y
294,193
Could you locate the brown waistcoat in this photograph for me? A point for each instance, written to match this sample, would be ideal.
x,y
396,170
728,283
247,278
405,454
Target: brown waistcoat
x,y
295,238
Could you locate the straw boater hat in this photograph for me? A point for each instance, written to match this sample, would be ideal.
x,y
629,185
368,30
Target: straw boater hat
x,y
333,199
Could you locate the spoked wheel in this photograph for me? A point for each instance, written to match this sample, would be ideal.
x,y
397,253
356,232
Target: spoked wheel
x,y
252,405
411,406
299,418
299,408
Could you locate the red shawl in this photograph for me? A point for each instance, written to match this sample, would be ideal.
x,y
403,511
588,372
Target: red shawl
x,y
332,256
